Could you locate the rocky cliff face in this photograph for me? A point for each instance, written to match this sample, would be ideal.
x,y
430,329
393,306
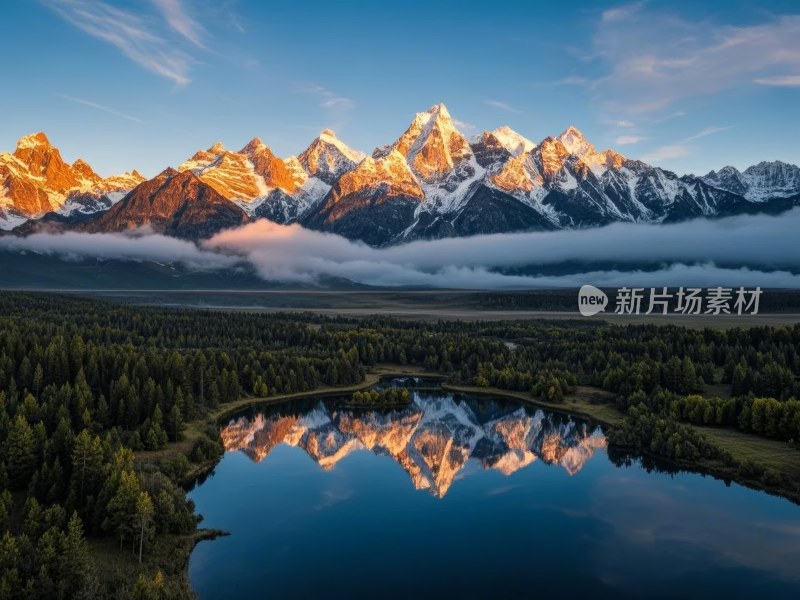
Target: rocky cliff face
x,y
172,203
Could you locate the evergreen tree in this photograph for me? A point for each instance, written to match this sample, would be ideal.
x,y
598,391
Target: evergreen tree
x,y
144,519
20,453
122,508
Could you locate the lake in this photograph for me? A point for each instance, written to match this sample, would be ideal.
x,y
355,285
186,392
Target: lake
x,y
458,496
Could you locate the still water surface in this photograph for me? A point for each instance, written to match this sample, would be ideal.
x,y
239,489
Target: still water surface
x,y
455,496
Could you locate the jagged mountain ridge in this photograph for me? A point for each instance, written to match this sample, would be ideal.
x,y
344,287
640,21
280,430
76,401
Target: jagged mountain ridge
x,y
433,182
174,203
35,179
432,439
758,183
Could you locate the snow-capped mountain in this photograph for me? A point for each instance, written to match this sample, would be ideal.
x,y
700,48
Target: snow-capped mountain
x,y
245,176
35,180
174,203
313,172
373,202
266,186
431,182
328,158
499,182
433,439
759,183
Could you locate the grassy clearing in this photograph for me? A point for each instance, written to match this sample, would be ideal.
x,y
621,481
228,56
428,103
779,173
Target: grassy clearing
x,y
771,454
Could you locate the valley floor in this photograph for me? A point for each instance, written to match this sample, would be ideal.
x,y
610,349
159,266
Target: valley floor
x,y
434,305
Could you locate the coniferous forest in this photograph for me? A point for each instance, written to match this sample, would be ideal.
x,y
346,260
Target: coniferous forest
x,y
93,393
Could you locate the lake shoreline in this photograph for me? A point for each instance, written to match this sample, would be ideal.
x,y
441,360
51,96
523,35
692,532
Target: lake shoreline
x,y
582,408
577,404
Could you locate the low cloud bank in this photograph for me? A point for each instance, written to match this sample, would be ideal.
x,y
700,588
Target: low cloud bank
x,y
109,246
762,249
744,250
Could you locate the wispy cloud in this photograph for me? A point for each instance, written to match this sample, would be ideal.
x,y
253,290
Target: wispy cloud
x,y
706,132
620,13
328,99
107,109
669,117
668,152
136,36
682,148
577,81
620,122
780,80
180,21
502,106
625,140
337,102
655,57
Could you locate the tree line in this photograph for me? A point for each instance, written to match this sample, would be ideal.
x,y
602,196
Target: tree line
x,y
84,384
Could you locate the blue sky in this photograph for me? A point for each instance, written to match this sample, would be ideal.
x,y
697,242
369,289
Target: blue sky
x,y
690,86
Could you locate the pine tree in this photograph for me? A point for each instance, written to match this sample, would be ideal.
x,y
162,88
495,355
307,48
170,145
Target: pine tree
x,y
122,507
144,519
87,464
20,453
9,566
75,559
175,423
38,379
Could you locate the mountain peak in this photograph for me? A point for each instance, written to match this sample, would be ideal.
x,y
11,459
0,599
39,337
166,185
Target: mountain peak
x,y
432,146
439,110
83,168
327,158
512,141
216,148
33,140
575,142
252,146
166,173
573,131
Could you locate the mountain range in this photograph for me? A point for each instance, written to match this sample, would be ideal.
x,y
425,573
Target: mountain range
x,y
431,182
432,439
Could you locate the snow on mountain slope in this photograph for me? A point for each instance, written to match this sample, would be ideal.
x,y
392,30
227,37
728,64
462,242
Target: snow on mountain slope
x,y
35,180
327,158
512,141
431,182
758,183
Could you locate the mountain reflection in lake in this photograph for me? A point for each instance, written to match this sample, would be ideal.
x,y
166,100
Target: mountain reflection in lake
x,y
432,439
516,502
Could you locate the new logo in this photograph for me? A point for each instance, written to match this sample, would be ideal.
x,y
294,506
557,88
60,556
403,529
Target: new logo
x,y
591,300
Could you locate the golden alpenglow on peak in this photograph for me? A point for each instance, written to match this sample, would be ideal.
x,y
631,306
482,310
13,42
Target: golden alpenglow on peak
x,y
35,180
